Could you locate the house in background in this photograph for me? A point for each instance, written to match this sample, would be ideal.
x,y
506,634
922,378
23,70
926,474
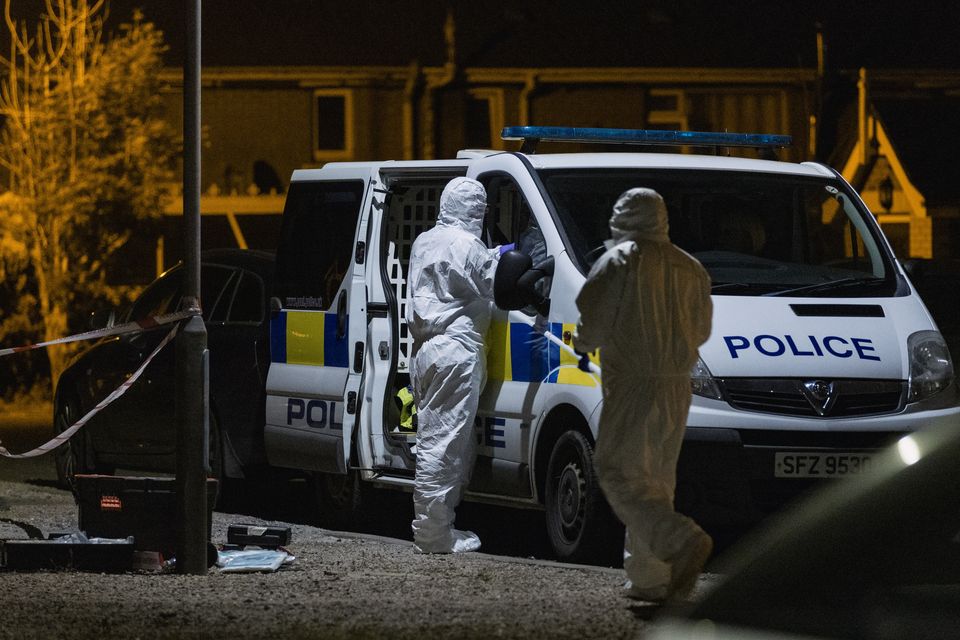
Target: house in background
x,y
262,122
320,82
904,162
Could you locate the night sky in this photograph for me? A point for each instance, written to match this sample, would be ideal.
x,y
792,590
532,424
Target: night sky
x,y
538,33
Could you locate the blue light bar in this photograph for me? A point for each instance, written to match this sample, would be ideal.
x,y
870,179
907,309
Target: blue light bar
x,y
645,137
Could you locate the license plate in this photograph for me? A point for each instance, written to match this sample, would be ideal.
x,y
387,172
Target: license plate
x,y
820,465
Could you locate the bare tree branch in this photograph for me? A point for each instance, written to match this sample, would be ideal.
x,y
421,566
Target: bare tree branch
x,y
11,25
74,103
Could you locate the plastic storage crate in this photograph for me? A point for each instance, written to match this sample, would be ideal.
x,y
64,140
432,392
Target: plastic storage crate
x,y
145,508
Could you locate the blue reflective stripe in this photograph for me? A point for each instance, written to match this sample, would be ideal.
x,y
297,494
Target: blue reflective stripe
x,y
335,353
646,136
532,357
278,337
520,352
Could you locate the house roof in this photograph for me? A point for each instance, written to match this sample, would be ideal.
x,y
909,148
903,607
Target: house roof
x,y
923,133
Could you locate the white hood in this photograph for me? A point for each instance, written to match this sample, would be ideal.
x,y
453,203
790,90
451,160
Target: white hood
x,y
463,204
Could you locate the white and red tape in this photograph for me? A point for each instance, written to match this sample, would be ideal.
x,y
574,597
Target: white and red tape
x,y
127,327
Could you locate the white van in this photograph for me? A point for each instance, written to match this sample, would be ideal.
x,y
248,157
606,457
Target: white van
x,y
821,350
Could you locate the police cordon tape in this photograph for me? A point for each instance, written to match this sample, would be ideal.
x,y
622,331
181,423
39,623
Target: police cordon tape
x,y
128,327
150,323
541,328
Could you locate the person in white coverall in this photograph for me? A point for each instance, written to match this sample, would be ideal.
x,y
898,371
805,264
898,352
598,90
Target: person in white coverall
x,y
451,294
646,306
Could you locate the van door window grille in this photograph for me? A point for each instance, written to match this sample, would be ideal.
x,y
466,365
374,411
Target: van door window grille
x,y
412,211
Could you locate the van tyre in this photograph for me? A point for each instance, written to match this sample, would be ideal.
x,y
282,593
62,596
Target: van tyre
x,y
70,457
226,496
340,500
580,524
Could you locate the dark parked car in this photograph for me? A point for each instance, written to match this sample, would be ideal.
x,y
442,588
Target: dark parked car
x,y
874,557
137,431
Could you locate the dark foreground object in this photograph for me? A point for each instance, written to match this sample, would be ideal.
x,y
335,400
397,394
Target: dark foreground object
x,y
33,555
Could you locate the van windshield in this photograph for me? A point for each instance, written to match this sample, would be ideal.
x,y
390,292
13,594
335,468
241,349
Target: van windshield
x,y
755,233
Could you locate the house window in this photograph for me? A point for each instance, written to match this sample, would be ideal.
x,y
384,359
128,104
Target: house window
x,y
332,124
666,109
483,119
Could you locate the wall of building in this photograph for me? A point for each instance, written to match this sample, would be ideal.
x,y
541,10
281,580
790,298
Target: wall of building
x,y
378,123
589,106
270,116
244,125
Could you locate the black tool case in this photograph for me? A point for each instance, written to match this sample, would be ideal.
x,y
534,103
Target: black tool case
x,y
265,537
145,508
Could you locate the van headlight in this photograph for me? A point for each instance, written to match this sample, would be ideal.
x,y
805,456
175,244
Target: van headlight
x,y
702,382
931,370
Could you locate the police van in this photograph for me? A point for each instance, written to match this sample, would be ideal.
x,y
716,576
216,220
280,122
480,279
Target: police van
x,y
821,351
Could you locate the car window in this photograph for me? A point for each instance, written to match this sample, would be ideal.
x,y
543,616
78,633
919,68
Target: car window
x,y
316,243
227,294
756,234
248,305
216,291
510,220
161,297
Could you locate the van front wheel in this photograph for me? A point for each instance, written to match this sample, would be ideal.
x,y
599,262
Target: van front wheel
x,y
580,525
340,498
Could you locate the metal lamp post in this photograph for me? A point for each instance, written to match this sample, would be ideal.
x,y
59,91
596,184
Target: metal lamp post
x,y
192,408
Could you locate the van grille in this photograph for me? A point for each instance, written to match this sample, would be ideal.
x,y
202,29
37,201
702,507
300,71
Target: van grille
x,y
788,397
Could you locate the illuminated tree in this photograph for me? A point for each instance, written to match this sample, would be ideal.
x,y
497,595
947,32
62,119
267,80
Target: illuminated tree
x,y
89,159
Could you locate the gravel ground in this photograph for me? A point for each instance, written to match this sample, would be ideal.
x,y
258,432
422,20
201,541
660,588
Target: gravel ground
x,y
340,586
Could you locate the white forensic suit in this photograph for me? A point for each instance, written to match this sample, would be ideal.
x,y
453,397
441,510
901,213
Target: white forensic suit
x,y
451,293
646,305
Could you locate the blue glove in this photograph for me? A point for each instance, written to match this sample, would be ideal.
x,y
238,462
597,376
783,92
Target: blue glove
x,y
507,247
584,363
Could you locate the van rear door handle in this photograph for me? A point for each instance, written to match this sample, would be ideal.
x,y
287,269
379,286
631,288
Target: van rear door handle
x,y
342,314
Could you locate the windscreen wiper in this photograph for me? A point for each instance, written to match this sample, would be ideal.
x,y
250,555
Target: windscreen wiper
x,y
827,286
719,286
742,286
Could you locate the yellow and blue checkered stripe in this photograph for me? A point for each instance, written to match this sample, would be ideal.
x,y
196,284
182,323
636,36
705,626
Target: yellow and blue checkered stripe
x,y
517,353
308,337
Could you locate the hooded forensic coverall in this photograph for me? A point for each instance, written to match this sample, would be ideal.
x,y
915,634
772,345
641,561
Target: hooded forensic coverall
x,y
646,305
451,293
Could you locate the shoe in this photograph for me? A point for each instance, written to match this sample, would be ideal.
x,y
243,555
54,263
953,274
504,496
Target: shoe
x,y
656,594
465,541
456,542
687,565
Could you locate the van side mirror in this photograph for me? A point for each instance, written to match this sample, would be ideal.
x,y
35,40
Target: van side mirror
x,y
914,268
506,292
514,284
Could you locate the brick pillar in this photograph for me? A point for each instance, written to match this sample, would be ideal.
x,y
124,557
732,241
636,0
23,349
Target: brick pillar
x,y
921,237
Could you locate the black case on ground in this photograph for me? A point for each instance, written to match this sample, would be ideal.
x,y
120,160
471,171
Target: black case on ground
x,y
145,508
258,535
